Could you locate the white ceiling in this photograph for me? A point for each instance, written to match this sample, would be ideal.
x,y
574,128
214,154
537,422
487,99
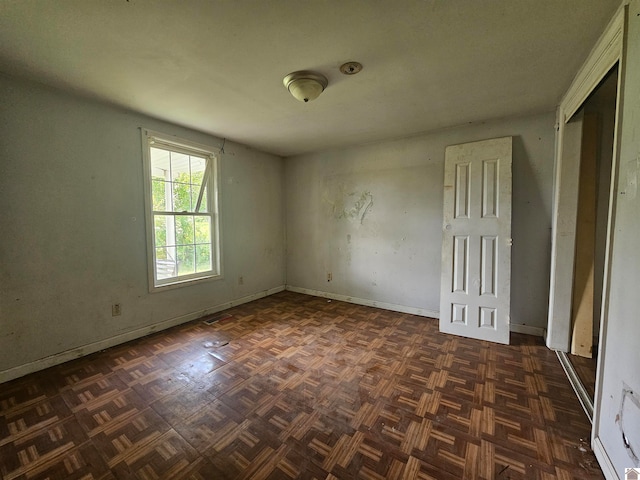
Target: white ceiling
x,y
217,66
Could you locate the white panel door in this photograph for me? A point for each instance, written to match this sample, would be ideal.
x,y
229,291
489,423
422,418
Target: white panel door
x,y
475,287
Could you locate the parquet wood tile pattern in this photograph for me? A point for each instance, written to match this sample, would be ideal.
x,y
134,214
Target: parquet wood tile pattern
x,y
294,386
586,370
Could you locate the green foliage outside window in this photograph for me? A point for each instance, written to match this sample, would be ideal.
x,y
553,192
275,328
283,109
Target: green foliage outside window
x,y
192,232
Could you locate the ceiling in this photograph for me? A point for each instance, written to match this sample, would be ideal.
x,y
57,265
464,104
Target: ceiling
x,y
217,65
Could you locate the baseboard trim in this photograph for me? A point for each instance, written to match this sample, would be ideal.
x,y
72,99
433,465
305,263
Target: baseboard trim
x,y
603,459
527,330
514,327
369,303
41,364
58,358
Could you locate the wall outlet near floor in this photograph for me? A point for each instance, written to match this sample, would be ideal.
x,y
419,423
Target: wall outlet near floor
x,y
329,277
116,309
240,280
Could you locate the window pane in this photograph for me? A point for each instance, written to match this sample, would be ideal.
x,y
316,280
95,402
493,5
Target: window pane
x,y
203,258
166,266
197,169
180,167
165,230
195,191
186,260
159,163
181,238
161,192
181,197
159,174
202,229
160,226
184,230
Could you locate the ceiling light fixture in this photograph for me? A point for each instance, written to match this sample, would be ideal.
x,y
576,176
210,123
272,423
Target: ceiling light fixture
x,y
304,85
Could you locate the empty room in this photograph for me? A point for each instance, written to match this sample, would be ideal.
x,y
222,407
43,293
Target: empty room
x,y
319,239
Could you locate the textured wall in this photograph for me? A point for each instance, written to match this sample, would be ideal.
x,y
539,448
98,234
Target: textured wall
x,y
618,406
372,217
72,240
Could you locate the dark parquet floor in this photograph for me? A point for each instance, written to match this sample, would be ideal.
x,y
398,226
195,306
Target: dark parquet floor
x,y
294,386
586,370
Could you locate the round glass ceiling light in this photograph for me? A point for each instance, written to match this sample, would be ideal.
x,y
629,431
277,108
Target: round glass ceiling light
x,y
304,85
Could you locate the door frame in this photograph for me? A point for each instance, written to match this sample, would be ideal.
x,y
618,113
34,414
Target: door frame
x,y
607,52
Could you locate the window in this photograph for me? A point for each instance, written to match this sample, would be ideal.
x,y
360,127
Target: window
x,y
182,210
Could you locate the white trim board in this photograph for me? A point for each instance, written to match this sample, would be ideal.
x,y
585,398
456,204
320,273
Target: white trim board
x,y
606,52
528,329
601,59
90,348
77,352
517,328
369,303
603,459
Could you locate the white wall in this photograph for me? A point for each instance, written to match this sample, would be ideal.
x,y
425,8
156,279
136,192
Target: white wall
x,y
72,235
620,353
372,217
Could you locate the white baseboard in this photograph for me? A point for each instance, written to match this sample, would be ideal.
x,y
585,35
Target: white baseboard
x,y
603,459
514,327
528,329
78,352
88,349
369,303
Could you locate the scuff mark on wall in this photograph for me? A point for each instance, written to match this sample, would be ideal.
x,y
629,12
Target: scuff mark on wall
x,y
631,188
351,205
628,420
349,248
366,202
358,209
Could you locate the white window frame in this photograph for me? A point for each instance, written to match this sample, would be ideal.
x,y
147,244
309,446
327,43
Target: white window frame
x,y
210,182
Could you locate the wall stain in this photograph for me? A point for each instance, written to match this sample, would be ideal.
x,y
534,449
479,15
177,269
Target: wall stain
x,y
628,420
361,205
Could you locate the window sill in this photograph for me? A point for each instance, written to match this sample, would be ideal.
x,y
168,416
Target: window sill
x,y
184,283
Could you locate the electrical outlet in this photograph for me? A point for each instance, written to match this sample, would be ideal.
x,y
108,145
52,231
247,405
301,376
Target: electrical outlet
x,y
329,277
116,310
240,280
